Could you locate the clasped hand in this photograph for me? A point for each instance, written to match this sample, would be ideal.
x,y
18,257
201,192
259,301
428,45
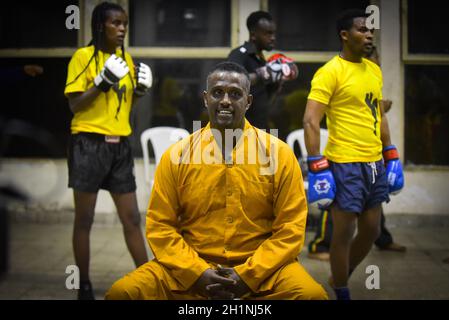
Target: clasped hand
x,y
221,284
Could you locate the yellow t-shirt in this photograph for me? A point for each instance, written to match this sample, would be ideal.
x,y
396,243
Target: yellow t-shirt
x,y
352,93
234,213
109,112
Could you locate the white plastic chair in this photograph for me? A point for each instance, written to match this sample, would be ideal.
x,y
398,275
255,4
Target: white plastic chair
x,y
161,138
298,135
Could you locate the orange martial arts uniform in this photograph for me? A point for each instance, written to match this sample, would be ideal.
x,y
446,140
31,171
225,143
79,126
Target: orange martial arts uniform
x,y
245,214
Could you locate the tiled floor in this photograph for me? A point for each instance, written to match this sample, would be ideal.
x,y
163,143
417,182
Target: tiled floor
x,y
40,253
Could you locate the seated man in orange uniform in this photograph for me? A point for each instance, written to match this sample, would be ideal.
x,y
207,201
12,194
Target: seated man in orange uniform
x,y
223,223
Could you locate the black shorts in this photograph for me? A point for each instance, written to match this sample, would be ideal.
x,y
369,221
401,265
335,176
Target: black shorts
x,y
96,164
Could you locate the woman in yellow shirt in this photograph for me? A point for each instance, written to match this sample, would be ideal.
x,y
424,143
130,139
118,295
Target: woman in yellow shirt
x,y
102,84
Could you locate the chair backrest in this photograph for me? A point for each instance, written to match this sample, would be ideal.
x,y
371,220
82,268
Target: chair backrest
x,y
161,138
298,135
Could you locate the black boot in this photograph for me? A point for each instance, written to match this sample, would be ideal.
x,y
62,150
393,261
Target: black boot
x,y
85,291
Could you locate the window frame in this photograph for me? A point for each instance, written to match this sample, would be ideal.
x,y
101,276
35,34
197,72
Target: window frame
x,y
84,35
314,56
416,58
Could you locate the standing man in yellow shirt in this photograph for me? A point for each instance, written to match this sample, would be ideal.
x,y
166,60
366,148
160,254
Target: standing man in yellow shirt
x,y
350,178
102,85
227,213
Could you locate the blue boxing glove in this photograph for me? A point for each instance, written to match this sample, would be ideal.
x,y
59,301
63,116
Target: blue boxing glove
x,y
322,188
395,175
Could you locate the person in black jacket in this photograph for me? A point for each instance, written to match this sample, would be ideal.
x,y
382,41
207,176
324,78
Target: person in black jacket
x,y
266,75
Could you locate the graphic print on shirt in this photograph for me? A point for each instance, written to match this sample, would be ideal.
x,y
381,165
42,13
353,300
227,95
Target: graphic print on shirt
x,y
372,104
120,93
